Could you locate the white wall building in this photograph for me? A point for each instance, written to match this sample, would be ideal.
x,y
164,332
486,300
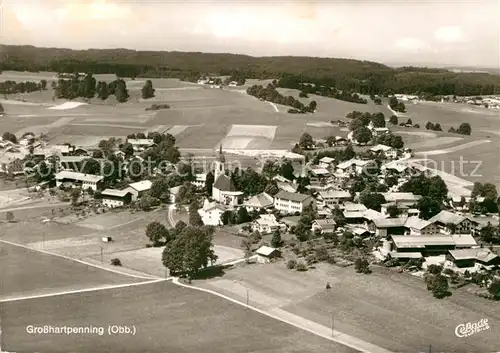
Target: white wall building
x,y
211,213
115,198
288,203
85,181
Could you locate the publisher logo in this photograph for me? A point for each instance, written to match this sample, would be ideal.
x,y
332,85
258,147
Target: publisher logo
x,y
470,328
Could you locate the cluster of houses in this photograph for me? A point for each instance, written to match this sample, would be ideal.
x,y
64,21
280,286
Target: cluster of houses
x,y
488,102
447,236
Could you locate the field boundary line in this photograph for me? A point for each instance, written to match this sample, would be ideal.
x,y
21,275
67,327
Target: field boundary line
x,y
84,290
20,208
347,340
80,261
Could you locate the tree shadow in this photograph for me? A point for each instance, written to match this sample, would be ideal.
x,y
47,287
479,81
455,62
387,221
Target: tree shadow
x,y
210,272
442,295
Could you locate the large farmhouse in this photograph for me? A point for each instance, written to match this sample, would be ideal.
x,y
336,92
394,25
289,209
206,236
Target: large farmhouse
x,y
85,181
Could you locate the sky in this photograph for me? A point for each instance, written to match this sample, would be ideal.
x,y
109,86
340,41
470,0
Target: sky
x,y
440,33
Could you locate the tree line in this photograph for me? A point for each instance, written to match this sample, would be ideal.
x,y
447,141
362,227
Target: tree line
x,y
270,94
364,77
293,82
11,87
87,87
463,129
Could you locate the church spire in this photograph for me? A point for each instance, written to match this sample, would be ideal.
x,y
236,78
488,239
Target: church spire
x,y
221,158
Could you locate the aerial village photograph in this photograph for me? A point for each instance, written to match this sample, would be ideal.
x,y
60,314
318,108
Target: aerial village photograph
x,y
249,177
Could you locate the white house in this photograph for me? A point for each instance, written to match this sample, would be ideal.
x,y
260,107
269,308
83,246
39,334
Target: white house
x,y
139,188
379,131
200,180
211,213
324,225
267,224
173,191
417,226
326,162
141,144
85,181
462,225
406,198
394,167
386,151
115,198
334,197
287,202
352,166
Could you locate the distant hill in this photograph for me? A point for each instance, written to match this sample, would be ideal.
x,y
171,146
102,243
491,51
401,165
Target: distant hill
x,y
365,77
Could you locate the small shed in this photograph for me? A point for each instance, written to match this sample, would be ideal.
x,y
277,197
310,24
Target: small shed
x,y
265,254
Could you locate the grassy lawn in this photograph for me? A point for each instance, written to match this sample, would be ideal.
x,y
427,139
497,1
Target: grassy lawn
x,y
484,157
34,231
167,319
28,272
391,310
397,312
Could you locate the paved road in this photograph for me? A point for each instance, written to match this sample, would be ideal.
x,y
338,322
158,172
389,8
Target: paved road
x,y
170,215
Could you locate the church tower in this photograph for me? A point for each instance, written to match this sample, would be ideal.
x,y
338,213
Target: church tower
x,y
220,162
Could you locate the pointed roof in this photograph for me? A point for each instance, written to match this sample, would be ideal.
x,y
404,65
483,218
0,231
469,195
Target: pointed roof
x,y
225,183
221,158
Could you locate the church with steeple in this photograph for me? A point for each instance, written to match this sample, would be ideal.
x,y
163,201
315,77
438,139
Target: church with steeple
x,y
224,191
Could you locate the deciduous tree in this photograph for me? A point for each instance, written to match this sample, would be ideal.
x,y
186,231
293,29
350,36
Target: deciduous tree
x,y
157,234
372,200
306,141
147,90
276,240
190,251
362,134
194,217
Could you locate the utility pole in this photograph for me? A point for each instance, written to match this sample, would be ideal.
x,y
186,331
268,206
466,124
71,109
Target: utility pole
x,y
101,256
248,296
430,348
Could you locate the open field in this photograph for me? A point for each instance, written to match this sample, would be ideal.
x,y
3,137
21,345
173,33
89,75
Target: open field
x,y
393,311
27,272
167,318
474,163
201,118
148,260
334,109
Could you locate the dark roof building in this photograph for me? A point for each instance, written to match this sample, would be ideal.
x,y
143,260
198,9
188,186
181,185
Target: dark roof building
x,y
225,183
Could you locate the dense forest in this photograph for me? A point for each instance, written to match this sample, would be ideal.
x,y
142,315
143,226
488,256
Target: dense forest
x,y
347,75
